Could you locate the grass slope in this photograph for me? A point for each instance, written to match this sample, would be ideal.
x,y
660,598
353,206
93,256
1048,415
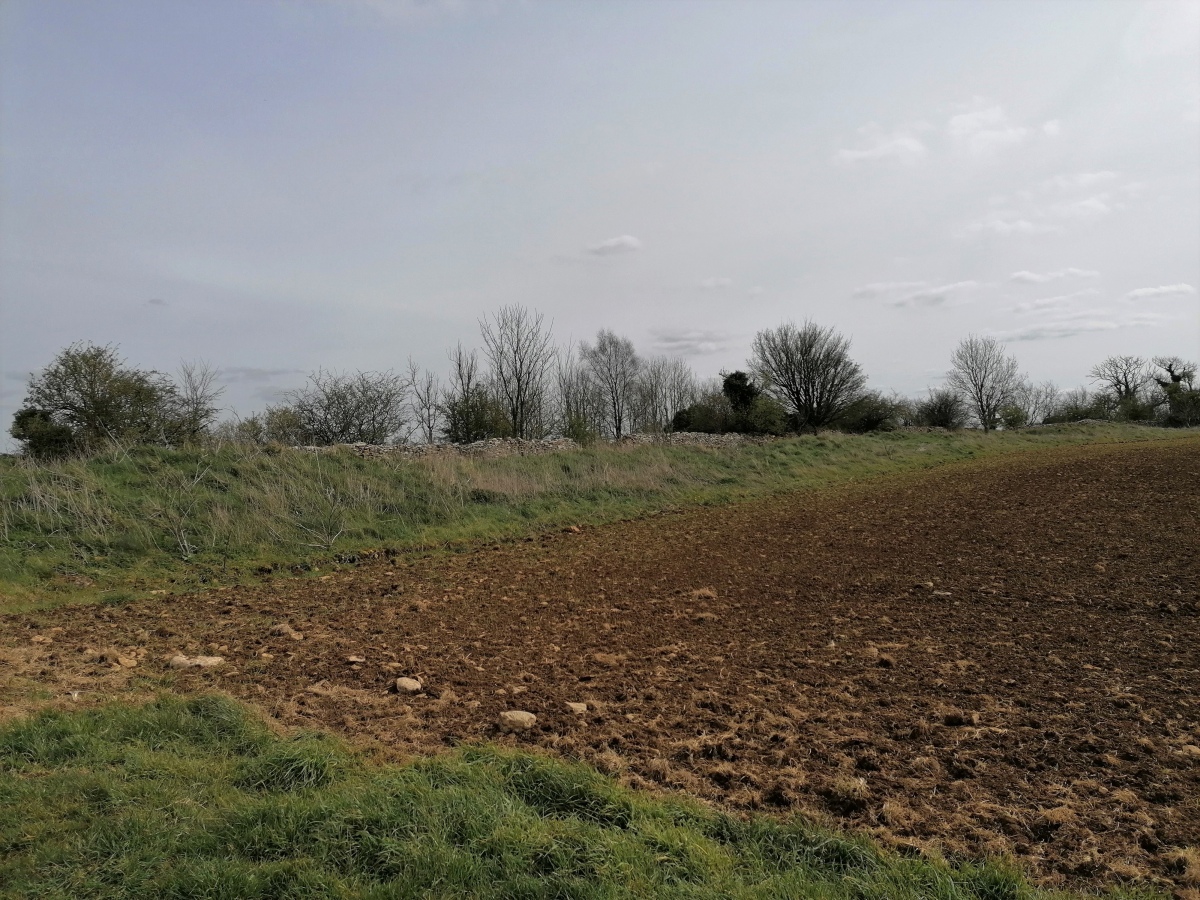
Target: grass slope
x,y
195,798
118,523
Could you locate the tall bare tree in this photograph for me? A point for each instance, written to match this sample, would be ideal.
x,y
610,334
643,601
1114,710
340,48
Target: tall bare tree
x,y
1035,401
426,401
665,386
682,389
614,365
579,409
1179,396
1176,370
809,370
197,393
518,347
983,373
1124,377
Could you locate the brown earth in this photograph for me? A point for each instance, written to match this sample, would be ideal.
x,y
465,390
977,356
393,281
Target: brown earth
x,y
993,657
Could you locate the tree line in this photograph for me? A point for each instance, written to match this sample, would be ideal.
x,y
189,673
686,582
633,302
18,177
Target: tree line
x,y
520,384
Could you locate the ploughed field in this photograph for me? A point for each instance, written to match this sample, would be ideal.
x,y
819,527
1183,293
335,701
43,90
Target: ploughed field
x,y
996,657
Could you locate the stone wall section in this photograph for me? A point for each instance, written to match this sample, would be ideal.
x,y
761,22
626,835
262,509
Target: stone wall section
x,y
500,447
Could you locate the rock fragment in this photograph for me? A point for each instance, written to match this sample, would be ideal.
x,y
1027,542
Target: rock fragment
x,y
180,661
517,720
578,708
283,629
408,686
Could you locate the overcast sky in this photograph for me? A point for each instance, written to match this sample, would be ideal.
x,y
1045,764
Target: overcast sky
x,y
277,186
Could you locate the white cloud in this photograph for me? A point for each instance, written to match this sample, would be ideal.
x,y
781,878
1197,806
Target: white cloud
x,y
1162,29
1036,278
1078,180
983,131
1060,302
716,284
1053,128
1167,290
626,243
935,296
1007,222
901,145
1088,207
875,288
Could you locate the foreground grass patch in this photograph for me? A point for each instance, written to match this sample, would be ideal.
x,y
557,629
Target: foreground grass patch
x,y
119,523
195,798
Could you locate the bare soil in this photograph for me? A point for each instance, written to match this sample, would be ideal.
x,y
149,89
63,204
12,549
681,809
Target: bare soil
x,y
998,657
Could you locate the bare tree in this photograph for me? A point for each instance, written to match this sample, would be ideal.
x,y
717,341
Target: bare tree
x,y
346,408
664,386
196,398
519,350
469,408
426,403
579,409
1035,401
809,370
980,370
1179,396
1124,377
1177,371
614,365
682,389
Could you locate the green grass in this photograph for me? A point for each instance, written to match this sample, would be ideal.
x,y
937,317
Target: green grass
x,y
118,523
195,798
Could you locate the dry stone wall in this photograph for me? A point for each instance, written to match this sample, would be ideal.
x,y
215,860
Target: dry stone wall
x,y
500,447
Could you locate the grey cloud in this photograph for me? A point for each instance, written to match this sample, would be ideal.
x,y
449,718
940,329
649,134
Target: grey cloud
x,y
1080,322
875,288
1167,290
156,301
625,243
420,12
1036,278
1062,300
254,375
716,284
690,343
1055,330
935,296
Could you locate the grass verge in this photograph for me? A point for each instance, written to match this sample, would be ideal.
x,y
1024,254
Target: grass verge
x,y
196,798
116,524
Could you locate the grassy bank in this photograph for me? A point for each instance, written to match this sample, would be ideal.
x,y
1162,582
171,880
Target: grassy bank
x,y
123,522
195,798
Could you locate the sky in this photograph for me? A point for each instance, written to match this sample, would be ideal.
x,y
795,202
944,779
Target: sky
x,y
274,187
